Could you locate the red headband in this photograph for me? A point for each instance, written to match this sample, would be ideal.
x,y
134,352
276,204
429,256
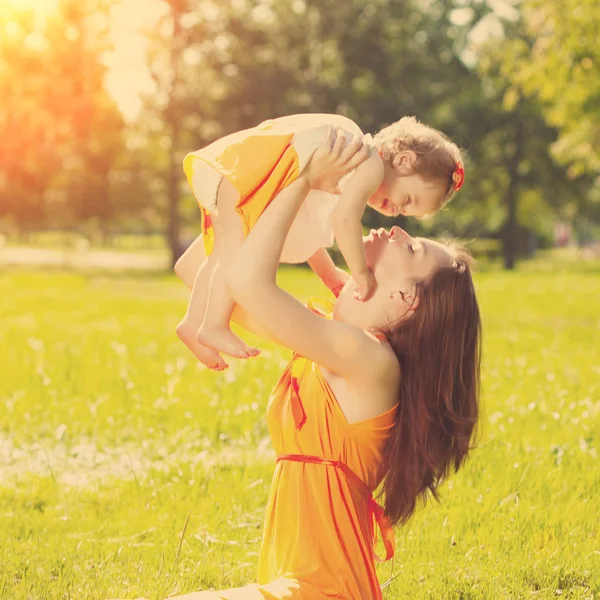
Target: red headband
x,y
458,177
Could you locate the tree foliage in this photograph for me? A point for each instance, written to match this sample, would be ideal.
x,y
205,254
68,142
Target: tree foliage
x,y
561,68
523,103
60,132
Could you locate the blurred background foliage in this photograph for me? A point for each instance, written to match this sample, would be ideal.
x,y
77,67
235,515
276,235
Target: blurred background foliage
x,y
514,83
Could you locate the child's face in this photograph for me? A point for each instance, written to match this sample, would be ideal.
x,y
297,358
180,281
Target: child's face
x,y
403,192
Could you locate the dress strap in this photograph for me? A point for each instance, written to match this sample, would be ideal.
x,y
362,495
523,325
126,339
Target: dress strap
x,y
378,515
295,373
297,368
315,304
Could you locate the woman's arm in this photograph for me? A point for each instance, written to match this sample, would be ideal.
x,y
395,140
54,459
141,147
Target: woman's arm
x,y
342,348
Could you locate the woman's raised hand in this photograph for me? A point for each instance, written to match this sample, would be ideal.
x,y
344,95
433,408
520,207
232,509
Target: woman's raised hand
x,y
335,157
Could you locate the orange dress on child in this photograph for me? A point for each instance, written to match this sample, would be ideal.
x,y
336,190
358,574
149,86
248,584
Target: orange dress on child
x,y
260,162
322,521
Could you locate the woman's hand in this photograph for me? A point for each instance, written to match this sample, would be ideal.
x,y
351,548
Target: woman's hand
x,y
333,159
335,280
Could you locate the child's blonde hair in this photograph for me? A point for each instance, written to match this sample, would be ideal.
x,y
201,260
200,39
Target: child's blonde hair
x,y
438,158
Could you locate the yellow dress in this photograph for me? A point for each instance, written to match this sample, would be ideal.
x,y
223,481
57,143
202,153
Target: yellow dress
x,y
260,162
321,521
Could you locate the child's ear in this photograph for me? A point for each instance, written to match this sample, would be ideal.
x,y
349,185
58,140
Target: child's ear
x,y
404,161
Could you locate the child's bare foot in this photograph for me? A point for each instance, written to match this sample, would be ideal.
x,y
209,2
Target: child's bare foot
x,y
207,356
224,340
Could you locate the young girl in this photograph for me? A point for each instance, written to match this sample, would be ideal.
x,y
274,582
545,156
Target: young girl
x,y
407,169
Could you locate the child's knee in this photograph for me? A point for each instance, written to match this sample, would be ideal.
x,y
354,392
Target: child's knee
x,y
185,271
178,269
190,261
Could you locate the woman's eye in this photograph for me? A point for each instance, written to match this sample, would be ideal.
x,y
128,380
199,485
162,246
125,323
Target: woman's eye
x,y
411,249
408,201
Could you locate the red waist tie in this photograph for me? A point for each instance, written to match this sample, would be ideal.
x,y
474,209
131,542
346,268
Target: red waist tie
x,y
377,513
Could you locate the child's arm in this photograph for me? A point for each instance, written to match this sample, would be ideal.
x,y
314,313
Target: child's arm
x,y
324,267
346,220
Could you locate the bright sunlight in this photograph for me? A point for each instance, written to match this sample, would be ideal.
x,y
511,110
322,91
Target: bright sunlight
x,y
127,76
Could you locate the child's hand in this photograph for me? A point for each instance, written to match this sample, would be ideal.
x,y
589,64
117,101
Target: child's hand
x,y
333,159
366,285
336,280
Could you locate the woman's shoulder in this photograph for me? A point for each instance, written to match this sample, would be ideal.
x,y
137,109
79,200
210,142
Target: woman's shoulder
x,y
381,383
367,393
379,367
385,370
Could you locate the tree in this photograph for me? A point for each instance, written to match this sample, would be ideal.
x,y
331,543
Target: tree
x,y
528,171
60,132
561,68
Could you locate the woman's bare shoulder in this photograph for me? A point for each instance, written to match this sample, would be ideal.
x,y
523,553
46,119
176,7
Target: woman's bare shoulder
x,y
369,392
381,366
383,381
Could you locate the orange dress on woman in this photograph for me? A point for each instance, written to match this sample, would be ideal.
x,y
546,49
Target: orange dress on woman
x,y
322,522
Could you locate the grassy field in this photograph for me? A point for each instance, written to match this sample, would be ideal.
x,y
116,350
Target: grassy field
x,y
126,471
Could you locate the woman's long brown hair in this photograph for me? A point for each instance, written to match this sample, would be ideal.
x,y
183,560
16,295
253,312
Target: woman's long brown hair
x,y
439,350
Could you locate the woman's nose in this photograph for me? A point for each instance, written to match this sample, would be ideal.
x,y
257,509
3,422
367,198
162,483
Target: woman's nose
x,y
397,233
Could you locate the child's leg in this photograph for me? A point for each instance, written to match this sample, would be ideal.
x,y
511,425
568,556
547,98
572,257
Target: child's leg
x,y
188,327
215,332
186,268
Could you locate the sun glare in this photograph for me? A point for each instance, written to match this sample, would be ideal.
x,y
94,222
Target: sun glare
x,y
42,7
127,74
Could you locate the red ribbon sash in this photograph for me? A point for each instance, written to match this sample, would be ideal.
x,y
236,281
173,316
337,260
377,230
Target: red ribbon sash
x,y
377,512
298,411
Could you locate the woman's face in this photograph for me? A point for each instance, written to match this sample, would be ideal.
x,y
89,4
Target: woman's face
x,y
397,261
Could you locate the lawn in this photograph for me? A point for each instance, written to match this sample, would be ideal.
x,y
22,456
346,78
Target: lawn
x,y
126,471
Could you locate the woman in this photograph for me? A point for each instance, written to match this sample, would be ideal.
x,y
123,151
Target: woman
x,y
386,390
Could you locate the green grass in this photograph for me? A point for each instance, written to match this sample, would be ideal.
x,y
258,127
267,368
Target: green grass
x,y
110,437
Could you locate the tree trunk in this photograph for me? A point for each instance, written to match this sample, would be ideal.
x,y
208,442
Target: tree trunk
x,y
510,242
173,226
172,118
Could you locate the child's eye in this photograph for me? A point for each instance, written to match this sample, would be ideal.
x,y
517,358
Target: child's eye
x,y
411,249
408,201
